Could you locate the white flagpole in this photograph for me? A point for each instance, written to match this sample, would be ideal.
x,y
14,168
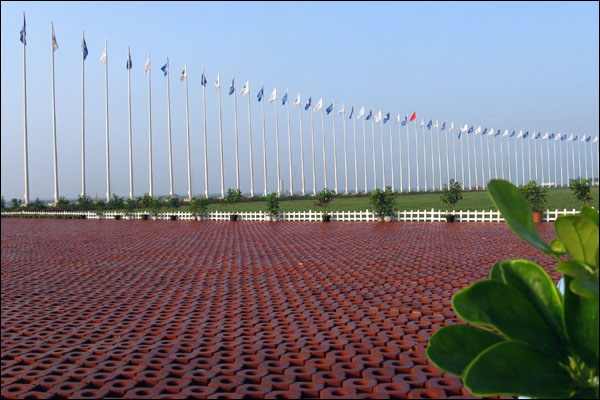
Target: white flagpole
x,y
501,158
149,131
489,170
454,156
561,163
290,146
130,141
54,124
301,149
382,153
469,160
373,143
345,151
508,160
482,161
400,152
323,134
335,175
25,118
528,157
250,144
568,171
586,163
235,128
579,158
169,127
536,158
205,145
221,138
439,156
416,153
447,160
555,159
573,157
277,143
355,160
187,128
312,131
365,153
432,162
495,158
424,155
264,141
82,120
516,162
408,154
107,147
462,158
391,156
475,161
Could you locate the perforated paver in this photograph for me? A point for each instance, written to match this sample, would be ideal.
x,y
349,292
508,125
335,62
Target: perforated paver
x,y
151,309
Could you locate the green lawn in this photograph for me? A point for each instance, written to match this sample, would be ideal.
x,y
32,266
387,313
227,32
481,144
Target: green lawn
x,y
558,198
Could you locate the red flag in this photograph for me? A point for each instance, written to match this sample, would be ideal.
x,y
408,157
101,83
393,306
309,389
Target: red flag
x,y
414,116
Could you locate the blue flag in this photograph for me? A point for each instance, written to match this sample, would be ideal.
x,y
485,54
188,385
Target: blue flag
x,y
589,138
459,133
308,103
484,132
563,138
232,88
351,113
84,49
443,126
525,134
405,121
537,135
203,79
552,136
129,64
512,134
498,132
164,69
470,130
386,118
328,109
261,93
23,40
429,125
575,138
370,115
284,99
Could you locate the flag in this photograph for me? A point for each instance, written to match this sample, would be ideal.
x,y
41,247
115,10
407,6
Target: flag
x,y
147,67
129,64
386,118
284,99
404,121
297,101
537,135
273,96
351,112
563,137
378,116
23,40
520,135
361,112
328,109
546,135
452,126
203,79
103,56
575,138
443,126
341,110
165,68
478,130
595,139
54,42
582,139
413,117
484,132
183,75
429,124
245,89
369,116
460,133
464,128
491,132
470,130
513,134
232,88
261,93
436,125
84,48
497,132
525,135
422,122
308,103
589,138
398,119
319,105
218,81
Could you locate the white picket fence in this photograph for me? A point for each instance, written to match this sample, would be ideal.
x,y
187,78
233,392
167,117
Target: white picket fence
x,y
350,216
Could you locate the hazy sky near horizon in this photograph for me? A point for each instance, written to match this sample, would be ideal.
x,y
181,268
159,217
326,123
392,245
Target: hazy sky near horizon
x,y
530,66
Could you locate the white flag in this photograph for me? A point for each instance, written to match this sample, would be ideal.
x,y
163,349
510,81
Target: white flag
x,y
54,42
491,132
341,110
505,133
532,136
218,83
595,139
436,125
245,89
273,96
422,123
183,75
520,134
558,136
397,119
478,130
103,56
319,105
361,112
582,139
147,68
464,128
546,136
297,101
378,116
452,126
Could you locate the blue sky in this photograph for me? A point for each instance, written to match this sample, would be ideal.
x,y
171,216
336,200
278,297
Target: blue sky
x,y
530,66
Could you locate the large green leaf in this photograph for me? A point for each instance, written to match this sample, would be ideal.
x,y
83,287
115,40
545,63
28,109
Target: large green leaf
x,y
496,273
453,347
503,307
515,211
581,323
590,213
558,247
580,236
534,283
517,368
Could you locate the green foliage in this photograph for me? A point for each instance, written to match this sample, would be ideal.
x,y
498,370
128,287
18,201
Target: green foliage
x,y
63,204
100,207
543,344
174,202
155,206
37,205
3,203
15,203
324,197
129,206
84,203
147,201
272,204
199,207
383,202
451,194
536,196
233,196
116,203
581,188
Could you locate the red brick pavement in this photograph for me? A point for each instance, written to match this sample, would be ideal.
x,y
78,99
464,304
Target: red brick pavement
x,y
162,309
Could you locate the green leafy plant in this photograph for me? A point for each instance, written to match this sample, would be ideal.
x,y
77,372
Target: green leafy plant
x,y
174,202
63,204
3,203
199,207
147,200
451,195
84,203
15,203
383,202
582,190
525,337
116,203
272,204
129,206
155,206
324,197
233,196
535,195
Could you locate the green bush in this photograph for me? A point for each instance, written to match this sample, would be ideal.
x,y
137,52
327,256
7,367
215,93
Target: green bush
x,y
157,203
451,195
15,203
383,202
129,206
116,203
84,203
147,201
174,202
233,196
272,204
581,189
199,207
535,195
324,197
541,343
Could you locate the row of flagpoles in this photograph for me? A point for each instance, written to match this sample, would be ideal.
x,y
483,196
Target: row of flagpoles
x,y
489,133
